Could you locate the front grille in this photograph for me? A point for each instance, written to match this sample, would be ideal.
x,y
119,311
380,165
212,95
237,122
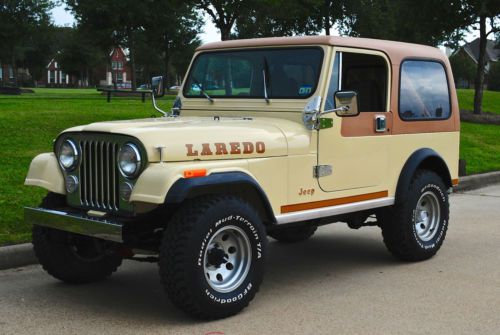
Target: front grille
x,y
99,175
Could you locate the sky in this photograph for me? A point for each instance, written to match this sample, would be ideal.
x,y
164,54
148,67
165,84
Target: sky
x,y
210,33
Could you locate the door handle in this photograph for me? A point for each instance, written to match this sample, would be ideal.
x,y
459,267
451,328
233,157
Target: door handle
x,y
380,123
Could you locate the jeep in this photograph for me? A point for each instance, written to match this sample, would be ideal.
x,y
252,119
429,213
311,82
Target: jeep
x,y
267,137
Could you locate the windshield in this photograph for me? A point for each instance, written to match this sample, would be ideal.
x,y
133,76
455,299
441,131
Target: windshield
x,y
286,73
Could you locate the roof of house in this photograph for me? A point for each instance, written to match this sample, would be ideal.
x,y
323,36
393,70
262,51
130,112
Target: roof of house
x,y
492,52
395,50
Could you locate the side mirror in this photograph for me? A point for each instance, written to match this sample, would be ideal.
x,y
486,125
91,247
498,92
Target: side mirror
x,y
346,103
157,86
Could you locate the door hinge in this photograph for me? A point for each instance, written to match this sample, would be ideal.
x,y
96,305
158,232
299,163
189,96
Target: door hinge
x,y
325,123
322,171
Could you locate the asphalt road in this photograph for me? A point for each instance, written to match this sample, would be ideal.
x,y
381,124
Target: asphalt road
x,y
340,282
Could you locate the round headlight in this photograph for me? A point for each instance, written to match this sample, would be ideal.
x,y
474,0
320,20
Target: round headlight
x,y
68,154
129,160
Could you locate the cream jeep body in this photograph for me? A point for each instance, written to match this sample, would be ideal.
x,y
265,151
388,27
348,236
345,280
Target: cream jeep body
x,y
290,173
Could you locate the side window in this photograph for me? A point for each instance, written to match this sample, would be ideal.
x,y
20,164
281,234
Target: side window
x,y
424,92
365,74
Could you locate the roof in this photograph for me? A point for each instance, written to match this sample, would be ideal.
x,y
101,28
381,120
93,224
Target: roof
x,y
395,50
492,53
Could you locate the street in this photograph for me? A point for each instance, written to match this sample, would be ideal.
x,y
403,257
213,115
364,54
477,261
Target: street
x,y
341,281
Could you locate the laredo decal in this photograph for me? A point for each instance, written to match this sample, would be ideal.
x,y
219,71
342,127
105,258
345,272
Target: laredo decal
x,y
234,148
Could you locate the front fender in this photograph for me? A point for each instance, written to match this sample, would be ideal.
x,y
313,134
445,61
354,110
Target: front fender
x,y
158,178
44,172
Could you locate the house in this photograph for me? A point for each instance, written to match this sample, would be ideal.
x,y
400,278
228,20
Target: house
x,y
118,71
6,74
57,77
469,56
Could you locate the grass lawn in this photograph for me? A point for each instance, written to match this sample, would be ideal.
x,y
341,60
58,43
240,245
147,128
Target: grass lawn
x,y
491,100
29,123
480,147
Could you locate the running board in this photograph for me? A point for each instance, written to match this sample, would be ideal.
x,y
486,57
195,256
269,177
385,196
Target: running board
x,y
319,213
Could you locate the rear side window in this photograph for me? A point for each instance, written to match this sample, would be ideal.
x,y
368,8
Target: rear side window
x,y
424,92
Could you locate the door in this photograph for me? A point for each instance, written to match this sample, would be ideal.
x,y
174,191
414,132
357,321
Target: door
x,y
356,147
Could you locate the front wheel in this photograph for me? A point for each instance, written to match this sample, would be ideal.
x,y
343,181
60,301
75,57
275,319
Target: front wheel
x,y
415,228
212,256
73,258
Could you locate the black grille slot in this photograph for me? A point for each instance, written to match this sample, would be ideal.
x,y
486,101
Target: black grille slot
x,y
99,175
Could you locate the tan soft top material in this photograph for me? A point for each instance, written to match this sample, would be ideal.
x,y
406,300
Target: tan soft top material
x,y
395,50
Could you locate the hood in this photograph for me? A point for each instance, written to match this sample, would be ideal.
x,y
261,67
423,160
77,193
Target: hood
x,y
206,138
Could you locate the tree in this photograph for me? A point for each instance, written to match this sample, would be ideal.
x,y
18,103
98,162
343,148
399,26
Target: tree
x,y
170,32
78,55
224,13
267,18
424,22
20,23
494,77
463,67
114,22
478,13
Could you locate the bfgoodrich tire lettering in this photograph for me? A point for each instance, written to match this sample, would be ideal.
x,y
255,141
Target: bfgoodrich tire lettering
x,y
186,251
415,228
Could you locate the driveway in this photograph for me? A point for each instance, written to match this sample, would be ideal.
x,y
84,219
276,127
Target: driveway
x,y
341,281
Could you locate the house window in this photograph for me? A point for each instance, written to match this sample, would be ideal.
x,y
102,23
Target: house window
x,y
423,93
63,77
1,72
115,65
52,77
11,72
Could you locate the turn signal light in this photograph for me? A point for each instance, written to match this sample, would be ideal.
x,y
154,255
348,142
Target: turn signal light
x,y
195,173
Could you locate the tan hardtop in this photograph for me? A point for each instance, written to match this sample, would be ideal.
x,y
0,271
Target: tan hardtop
x,y
396,51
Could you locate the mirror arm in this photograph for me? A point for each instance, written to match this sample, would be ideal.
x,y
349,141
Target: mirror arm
x,y
155,105
339,109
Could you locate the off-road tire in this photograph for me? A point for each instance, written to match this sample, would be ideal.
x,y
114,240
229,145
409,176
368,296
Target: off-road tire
x,y
59,256
398,222
293,234
184,246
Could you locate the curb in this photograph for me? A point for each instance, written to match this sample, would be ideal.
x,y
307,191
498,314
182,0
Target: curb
x,y
14,256
473,182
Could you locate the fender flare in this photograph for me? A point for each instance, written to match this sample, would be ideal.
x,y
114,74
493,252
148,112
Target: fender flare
x,y
219,182
422,158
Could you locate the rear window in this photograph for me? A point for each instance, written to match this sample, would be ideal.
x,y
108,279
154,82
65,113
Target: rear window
x,y
424,93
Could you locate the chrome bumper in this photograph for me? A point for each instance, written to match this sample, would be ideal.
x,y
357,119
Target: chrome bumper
x,y
74,223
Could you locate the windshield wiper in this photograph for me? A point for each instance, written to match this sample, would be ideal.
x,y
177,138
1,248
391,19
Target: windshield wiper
x,y
265,76
198,84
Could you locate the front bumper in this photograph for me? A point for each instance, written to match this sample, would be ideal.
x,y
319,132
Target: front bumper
x,y
77,223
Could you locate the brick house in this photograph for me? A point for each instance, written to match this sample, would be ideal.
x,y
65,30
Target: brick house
x,y
119,71
6,74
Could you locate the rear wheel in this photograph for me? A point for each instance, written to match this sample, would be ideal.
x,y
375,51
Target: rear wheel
x,y
73,258
415,228
293,234
212,256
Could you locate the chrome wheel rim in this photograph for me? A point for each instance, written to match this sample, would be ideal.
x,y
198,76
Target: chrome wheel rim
x,y
227,259
427,216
